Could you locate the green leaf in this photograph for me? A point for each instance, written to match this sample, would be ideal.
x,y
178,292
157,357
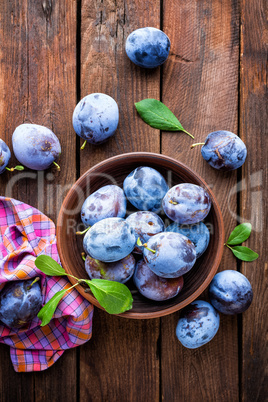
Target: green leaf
x,y
46,313
113,296
49,266
244,253
239,234
158,115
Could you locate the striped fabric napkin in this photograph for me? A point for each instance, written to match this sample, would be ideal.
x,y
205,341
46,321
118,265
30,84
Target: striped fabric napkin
x,y
26,233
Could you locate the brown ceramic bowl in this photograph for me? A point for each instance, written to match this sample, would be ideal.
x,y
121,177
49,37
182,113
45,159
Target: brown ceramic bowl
x,y
114,171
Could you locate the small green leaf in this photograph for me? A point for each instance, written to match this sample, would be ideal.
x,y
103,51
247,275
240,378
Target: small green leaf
x,y
239,234
113,296
46,313
244,253
158,115
49,266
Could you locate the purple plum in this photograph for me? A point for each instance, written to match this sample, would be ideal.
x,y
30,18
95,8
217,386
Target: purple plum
x,y
169,255
198,324
107,202
198,234
5,155
145,188
148,47
20,302
154,287
224,150
96,118
35,146
186,203
230,292
145,224
109,240
119,271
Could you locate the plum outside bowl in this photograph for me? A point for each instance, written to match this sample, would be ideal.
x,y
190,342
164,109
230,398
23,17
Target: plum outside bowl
x,y
113,171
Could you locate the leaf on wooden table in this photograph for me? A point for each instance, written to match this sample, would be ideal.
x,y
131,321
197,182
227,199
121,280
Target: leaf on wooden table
x,y
244,253
239,234
158,115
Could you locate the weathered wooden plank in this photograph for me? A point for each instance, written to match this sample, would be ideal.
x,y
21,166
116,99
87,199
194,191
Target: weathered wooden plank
x,y
38,83
121,362
106,68
52,98
14,386
253,127
13,70
200,85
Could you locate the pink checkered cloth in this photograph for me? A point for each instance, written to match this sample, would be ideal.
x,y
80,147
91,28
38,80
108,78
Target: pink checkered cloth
x,y
26,233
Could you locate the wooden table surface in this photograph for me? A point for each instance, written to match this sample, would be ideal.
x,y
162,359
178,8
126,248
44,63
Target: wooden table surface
x,y
55,52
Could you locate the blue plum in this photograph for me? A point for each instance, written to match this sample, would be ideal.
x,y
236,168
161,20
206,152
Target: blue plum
x,y
36,147
224,150
148,47
109,240
186,203
145,224
95,118
119,271
5,155
154,287
198,324
230,292
20,302
145,188
174,254
107,202
198,234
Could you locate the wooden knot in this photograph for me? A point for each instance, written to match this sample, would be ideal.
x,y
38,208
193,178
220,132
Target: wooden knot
x,y
47,8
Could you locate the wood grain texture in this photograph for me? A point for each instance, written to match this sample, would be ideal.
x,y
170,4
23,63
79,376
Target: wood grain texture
x,y
129,360
38,85
13,73
253,186
14,386
106,68
200,85
121,362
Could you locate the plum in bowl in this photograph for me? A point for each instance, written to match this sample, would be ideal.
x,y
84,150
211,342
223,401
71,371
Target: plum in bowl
x,y
113,171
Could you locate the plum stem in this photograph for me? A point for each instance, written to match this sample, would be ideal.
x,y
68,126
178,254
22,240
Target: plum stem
x,y
72,276
145,245
18,167
83,255
198,143
173,202
83,232
227,245
34,281
83,145
189,134
82,282
57,166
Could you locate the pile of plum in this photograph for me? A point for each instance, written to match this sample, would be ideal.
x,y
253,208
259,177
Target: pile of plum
x,y
120,245
166,253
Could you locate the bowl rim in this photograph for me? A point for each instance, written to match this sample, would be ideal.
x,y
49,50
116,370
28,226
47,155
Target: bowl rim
x,y
217,260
